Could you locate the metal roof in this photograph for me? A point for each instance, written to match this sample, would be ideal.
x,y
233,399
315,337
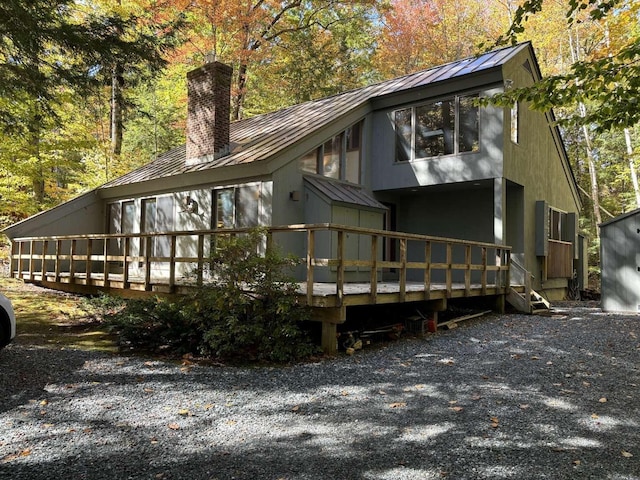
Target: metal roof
x,y
343,193
262,137
623,216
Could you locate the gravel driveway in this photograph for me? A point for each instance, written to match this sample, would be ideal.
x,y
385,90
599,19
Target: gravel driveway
x,y
512,396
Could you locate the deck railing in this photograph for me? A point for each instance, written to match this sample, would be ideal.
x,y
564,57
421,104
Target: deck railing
x,y
329,253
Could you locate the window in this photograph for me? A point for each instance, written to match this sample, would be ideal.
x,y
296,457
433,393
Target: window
x,y
338,157
445,127
515,116
556,224
237,207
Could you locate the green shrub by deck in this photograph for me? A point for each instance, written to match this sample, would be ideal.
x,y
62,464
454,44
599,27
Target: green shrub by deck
x,y
248,310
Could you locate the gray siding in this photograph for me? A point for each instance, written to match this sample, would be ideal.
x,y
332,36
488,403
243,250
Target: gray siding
x,y
620,263
388,174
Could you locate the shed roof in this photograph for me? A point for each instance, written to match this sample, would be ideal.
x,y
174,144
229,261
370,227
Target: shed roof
x,y
261,137
621,217
343,193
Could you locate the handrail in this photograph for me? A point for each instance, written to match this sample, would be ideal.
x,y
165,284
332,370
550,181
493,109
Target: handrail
x,y
94,259
528,280
272,229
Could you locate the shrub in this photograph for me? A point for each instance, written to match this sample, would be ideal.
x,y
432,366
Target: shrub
x,y
248,310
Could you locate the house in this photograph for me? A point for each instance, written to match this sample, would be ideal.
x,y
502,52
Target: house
x,y
620,263
413,154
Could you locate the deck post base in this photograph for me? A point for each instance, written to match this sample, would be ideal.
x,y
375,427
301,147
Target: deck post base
x,y
330,318
500,304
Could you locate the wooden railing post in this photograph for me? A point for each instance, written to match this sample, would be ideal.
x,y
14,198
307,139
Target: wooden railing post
x,y
340,279
311,248
467,273
427,270
373,277
403,270
484,271
32,245
125,261
72,263
172,262
448,275
88,261
147,261
200,274
19,265
507,271
56,277
43,265
105,261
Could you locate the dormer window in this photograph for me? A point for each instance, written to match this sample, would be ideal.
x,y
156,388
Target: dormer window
x,y
445,127
338,157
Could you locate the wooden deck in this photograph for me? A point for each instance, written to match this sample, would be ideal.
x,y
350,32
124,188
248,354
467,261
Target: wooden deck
x,y
427,269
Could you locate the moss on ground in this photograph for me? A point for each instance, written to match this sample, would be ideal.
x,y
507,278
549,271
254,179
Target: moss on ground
x,y
53,319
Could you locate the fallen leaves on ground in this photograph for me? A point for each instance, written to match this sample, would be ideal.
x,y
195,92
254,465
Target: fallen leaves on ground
x,y
14,456
398,405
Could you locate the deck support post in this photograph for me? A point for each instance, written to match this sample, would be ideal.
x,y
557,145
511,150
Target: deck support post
x,y
500,304
330,318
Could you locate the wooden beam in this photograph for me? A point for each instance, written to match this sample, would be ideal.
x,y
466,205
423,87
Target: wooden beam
x,y
373,277
330,318
311,248
403,269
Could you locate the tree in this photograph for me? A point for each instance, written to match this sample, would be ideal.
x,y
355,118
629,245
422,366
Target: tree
x,y
243,33
608,80
420,34
51,49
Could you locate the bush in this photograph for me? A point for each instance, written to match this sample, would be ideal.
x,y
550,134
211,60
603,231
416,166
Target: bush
x,y
248,310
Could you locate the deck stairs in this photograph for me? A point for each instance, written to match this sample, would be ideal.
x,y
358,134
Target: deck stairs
x,y
535,304
524,298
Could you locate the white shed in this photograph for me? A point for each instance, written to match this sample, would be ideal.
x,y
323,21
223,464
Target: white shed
x,y
620,263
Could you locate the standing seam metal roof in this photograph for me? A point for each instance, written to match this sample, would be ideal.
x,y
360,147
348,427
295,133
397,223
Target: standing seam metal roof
x,y
260,138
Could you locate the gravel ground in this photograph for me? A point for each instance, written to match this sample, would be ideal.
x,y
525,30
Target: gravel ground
x,y
511,396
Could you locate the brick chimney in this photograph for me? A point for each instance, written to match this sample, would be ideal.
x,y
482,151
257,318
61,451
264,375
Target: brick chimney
x,y
208,110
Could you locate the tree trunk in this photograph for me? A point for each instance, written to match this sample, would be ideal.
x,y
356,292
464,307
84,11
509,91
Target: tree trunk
x,y
117,85
241,86
595,193
632,167
37,173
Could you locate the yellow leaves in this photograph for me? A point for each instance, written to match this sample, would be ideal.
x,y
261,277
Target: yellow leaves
x,y
398,405
495,422
184,412
9,458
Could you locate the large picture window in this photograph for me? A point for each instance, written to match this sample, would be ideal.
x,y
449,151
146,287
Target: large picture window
x,y
338,157
434,129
